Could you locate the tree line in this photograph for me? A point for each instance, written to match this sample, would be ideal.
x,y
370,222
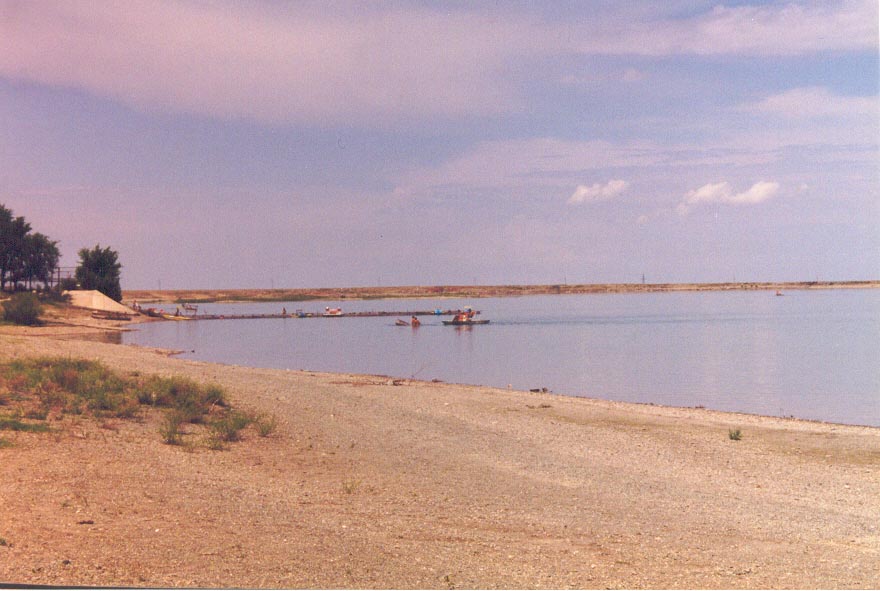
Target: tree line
x,y
31,257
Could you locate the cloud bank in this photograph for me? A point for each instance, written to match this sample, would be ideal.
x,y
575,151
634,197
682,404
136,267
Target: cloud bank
x,y
723,193
283,63
597,192
268,62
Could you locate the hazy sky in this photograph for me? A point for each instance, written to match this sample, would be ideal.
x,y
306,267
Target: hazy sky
x,y
298,144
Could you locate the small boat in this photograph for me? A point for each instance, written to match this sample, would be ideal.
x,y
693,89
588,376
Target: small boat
x,y
465,318
175,317
329,312
779,293
400,322
465,322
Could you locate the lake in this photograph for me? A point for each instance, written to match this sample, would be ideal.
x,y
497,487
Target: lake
x,y
808,354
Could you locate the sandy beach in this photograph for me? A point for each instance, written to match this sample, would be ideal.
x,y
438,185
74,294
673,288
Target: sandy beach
x,y
371,482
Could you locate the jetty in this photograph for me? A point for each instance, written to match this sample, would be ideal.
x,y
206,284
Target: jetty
x,y
299,314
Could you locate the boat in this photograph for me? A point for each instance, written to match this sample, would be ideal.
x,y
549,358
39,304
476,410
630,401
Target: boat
x,y
400,322
175,317
330,312
465,318
464,322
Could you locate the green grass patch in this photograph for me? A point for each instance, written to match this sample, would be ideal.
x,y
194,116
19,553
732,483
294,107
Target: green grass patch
x,y
228,428
77,386
14,424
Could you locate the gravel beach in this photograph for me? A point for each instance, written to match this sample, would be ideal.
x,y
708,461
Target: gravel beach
x,y
371,482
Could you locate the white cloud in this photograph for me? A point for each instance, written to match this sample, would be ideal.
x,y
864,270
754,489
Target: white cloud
x,y
811,102
597,192
793,28
723,193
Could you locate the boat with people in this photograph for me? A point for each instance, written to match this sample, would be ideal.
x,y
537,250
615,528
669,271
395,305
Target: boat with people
x,y
331,312
464,322
414,322
465,318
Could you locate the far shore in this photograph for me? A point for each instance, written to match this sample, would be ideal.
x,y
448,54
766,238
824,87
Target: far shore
x,y
374,482
466,291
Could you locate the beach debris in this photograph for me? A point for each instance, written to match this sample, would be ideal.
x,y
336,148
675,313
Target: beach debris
x,y
539,390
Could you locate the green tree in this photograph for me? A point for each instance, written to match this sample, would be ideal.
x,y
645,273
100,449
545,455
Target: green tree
x,y
39,259
99,269
13,231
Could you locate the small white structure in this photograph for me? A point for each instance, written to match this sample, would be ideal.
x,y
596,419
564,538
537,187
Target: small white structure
x,y
95,300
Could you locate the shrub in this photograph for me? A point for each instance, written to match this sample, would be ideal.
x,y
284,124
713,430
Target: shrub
x,y
22,308
214,441
182,394
170,427
265,424
734,434
54,295
229,427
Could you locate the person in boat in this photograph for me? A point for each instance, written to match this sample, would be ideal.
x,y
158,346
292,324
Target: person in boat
x,y
415,321
460,317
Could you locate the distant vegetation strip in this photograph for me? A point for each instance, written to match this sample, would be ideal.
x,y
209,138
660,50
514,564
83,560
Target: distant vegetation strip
x,y
195,296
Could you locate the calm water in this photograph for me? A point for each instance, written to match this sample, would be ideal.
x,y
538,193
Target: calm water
x,y
813,355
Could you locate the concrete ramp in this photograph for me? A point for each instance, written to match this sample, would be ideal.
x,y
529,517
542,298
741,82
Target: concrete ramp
x,y
95,300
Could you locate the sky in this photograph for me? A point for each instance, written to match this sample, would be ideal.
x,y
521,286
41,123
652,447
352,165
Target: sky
x,y
260,144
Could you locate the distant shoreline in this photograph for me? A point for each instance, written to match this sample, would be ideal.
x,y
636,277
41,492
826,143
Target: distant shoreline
x,y
467,291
